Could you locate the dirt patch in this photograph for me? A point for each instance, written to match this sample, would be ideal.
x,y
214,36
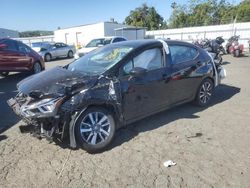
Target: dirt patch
x,y
216,155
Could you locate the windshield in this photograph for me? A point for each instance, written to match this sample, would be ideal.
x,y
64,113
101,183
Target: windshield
x,y
100,60
97,42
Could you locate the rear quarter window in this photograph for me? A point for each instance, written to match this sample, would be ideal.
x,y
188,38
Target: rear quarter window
x,y
182,53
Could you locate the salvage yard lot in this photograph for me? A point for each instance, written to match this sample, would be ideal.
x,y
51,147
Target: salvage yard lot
x,y
210,145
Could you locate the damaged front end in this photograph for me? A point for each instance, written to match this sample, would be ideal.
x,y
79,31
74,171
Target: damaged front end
x,y
52,110
40,99
42,113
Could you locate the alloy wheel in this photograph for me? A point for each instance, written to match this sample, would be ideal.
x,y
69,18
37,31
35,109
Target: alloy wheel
x,y
95,128
205,92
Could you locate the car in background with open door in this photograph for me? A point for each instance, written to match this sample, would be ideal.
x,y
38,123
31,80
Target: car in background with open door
x,y
16,56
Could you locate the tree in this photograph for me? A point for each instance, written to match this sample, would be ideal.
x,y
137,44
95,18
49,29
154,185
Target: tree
x,y
243,11
201,12
145,16
35,33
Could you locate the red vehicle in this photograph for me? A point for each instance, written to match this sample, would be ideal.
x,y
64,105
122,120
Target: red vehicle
x,y
233,46
18,57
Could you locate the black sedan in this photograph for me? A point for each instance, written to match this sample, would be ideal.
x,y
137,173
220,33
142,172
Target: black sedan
x,y
89,99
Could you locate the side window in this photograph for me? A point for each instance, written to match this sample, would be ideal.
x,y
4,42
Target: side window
x,y
63,45
11,45
149,59
23,48
180,54
58,45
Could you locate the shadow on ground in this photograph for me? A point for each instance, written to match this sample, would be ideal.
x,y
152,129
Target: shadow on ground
x,y
8,90
3,137
187,111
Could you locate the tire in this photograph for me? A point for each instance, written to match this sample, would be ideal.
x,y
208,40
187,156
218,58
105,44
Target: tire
x,y
47,57
237,53
70,54
37,68
4,73
204,93
91,136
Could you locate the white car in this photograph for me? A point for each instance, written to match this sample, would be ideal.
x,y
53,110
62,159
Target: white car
x,y
95,43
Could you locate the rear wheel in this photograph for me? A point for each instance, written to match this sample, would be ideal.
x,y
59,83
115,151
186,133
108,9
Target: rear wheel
x,y
237,53
204,93
6,73
37,68
70,54
47,57
95,129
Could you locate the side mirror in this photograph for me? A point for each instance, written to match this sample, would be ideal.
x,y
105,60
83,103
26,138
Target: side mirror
x,y
3,46
100,45
137,72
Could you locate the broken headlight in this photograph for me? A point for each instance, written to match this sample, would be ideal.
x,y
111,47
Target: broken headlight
x,y
43,108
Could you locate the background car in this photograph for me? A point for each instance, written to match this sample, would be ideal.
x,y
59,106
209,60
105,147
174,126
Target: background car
x,y
90,98
95,43
18,57
51,51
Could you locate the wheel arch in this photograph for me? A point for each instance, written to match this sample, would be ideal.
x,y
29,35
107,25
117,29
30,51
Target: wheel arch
x,y
75,117
47,53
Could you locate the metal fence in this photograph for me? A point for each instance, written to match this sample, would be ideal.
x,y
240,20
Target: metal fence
x,y
210,32
30,40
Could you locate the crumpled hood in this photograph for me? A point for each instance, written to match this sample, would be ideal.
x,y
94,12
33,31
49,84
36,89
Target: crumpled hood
x,y
54,81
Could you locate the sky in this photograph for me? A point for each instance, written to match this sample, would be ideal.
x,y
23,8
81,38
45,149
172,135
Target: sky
x,y
25,15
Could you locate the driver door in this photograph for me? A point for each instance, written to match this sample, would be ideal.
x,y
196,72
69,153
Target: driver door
x,y
144,95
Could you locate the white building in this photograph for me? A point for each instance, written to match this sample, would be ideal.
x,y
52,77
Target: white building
x,y
6,33
81,35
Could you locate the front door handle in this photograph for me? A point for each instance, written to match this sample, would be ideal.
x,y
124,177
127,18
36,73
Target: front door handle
x,y
199,63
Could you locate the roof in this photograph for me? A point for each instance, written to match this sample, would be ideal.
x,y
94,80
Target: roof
x,y
130,28
87,25
148,42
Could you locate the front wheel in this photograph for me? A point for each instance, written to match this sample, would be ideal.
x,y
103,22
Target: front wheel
x,y
204,93
95,129
4,74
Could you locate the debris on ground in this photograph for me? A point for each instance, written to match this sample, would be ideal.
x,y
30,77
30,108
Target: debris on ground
x,y
169,163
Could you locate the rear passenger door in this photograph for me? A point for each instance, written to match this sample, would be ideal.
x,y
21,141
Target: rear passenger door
x,y
184,63
59,50
64,49
24,58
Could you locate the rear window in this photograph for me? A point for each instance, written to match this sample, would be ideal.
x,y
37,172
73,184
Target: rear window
x,y
10,45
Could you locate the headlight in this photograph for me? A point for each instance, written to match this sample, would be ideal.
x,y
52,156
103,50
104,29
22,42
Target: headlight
x,y
43,108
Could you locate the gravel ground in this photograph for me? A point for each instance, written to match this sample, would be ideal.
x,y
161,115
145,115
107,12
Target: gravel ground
x,y
210,145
